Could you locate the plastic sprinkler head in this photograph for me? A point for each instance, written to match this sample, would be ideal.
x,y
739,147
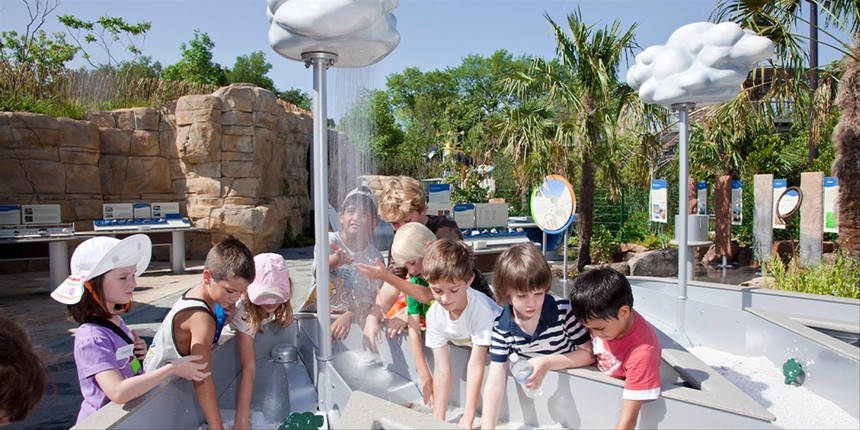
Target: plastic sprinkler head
x,y
792,370
304,420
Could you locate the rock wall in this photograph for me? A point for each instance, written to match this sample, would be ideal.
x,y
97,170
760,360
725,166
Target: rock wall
x,y
236,161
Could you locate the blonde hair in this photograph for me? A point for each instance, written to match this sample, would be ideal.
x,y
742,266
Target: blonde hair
x,y
400,196
410,241
256,315
520,269
447,260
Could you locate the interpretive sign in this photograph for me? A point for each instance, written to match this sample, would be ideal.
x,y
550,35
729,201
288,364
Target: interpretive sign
x,y
41,214
779,187
737,202
831,194
659,201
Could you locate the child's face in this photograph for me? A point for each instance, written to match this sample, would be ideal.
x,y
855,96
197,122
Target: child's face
x,y
451,294
358,220
269,308
118,285
612,328
414,266
527,305
413,216
227,292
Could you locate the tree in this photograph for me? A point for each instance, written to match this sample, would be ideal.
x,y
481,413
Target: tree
x,y
252,69
33,52
104,33
296,97
847,164
196,64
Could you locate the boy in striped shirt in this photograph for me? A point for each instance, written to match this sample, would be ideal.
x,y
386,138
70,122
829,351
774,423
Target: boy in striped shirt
x,y
534,324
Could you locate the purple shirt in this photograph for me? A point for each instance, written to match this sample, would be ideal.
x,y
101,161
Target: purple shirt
x,y
98,349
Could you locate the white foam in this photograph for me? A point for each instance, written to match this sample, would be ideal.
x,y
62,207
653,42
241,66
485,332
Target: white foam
x,y
794,407
258,421
453,415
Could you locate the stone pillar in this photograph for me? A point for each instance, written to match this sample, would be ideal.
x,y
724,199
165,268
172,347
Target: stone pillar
x,y
723,214
693,196
811,218
763,217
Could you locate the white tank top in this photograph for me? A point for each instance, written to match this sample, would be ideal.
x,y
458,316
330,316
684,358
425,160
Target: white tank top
x,y
163,349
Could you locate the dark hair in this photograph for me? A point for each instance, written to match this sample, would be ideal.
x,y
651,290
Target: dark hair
x,y
520,269
447,260
83,311
230,259
21,370
361,197
598,294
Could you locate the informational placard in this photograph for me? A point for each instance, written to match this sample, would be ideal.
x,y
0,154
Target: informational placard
x,y
788,203
118,211
659,201
161,210
440,193
779,187
488,215
464,215
10,215
831,194
702,197
440,209
737,202
41,214
142,211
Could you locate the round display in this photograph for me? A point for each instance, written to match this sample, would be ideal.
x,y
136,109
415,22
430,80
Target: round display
x,y
789,202
553,204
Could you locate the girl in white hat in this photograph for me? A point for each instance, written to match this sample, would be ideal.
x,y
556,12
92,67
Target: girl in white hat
x,y
266,300
107,353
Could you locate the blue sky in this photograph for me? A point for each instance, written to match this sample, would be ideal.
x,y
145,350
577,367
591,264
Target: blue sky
x,y
435,34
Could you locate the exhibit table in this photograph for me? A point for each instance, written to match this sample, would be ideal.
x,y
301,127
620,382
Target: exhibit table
x,y
159,238
28,248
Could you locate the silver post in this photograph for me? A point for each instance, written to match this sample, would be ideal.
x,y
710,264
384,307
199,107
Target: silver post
x,y
320,62
683,177
564,264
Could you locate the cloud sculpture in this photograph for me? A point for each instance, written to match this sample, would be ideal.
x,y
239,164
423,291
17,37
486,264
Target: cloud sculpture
x,y
701,63
360,32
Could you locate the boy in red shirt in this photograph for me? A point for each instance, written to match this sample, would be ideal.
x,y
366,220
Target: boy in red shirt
x,y
625,345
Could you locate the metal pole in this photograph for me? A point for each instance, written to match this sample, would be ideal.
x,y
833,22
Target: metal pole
x,y
813,75
320,62
564,264
683,177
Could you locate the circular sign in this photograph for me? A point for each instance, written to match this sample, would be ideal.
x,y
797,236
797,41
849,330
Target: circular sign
x,y
789,202
553,204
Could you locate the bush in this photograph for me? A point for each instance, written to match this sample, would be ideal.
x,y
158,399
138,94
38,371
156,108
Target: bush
x,y
842,279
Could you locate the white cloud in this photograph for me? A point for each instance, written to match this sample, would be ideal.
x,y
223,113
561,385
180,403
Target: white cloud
x,y
360,32
701,63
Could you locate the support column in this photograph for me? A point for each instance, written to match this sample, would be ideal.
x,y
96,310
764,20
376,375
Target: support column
x,y
811,219
763,218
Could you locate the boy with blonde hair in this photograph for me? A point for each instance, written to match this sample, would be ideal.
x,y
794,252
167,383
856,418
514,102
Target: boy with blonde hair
x,y
460,315
534,324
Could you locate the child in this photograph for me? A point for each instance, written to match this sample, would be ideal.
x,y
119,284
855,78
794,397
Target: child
x,y
534,324
352,295
460,315
189,327
267,299
625,345
107,359
22,372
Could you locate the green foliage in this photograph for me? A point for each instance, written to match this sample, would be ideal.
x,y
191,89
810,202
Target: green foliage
x,y
653,241
296,97
53,107
603,244
297,241
469,190
36,53
196,64
252,69
842,279
104,33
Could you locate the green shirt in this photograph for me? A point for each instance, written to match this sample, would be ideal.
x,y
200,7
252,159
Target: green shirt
x,y
414,307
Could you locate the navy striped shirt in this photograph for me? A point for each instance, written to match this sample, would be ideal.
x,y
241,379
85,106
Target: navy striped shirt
x,y
557,332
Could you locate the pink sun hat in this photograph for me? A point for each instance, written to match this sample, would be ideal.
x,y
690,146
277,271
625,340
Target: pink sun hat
x,y
271,286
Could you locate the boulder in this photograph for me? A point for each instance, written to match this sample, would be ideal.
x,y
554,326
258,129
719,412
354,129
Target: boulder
x,y
659,263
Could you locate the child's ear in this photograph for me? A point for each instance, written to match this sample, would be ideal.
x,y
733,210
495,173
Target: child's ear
x,y
624,312
207,277
429,242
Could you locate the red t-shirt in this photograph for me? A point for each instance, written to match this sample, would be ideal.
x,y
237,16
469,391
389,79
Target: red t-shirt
x,y
635,358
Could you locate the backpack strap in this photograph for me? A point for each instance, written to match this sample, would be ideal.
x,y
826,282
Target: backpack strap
x,y
113,327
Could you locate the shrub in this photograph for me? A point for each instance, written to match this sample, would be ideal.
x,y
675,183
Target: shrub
x,y
842,279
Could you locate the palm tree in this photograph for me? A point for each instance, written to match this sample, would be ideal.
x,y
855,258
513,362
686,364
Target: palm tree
x,y
847,164
577,113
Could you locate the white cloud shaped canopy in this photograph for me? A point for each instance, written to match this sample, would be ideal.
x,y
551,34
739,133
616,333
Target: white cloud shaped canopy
x,y
360,32
701,63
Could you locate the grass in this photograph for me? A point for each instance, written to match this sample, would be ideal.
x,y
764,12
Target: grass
x,y
842,279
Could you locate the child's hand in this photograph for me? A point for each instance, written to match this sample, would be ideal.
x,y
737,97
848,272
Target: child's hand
x,y
427,390
139,346
396,324
342,257
189,368
466,422
376,272
229,312
340,327
372,334
541,367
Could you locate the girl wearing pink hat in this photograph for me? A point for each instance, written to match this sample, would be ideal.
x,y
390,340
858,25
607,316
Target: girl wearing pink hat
x,y
107,353
266,300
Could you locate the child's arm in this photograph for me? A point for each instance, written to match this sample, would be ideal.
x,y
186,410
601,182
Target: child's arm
x,y
441,381
474,377
582,356
340,326
494,391
380,272
416,342
629,414
202,329
247,360
121,391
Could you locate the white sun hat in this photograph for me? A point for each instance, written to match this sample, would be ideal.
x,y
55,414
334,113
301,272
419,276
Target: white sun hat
x,y
99,255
